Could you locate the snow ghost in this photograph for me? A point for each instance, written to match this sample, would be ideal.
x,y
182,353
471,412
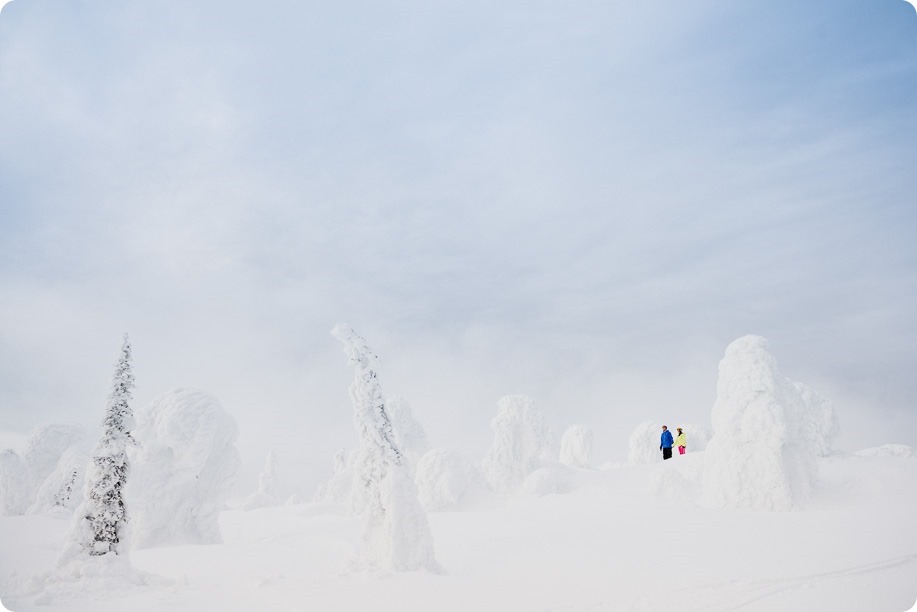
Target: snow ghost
x,y
522,443
14,484
184,469
445,479
576,446
47,444
396,534
339,488
767,432
266,496
643,444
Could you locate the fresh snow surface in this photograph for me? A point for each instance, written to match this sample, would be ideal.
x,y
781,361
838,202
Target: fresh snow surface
x,y
610,544
183,469
768,431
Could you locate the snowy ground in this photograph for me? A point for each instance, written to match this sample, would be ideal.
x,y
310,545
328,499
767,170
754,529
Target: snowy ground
x,y
617,542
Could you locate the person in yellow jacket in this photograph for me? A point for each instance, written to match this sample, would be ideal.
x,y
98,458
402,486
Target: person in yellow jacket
x,y
681,441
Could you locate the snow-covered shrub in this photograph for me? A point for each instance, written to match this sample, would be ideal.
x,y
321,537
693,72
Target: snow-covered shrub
x,y
62,490
396,534
576,446
669,482
643,444
409,433
266,496
14,483
522,443
445,478
767,433
546,481
100,525
184,469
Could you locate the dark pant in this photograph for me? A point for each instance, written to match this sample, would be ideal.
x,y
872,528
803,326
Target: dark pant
x,y
666,453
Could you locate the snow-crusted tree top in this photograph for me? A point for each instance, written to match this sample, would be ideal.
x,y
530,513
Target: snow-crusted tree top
x,y
119,418
355,346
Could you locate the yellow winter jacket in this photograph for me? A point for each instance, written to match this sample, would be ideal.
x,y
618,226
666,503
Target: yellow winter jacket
x,y
681,440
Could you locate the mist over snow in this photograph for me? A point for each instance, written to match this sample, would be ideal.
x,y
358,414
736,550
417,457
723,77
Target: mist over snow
x,y
559,226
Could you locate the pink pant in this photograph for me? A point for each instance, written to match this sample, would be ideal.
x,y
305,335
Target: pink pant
x,y
681,450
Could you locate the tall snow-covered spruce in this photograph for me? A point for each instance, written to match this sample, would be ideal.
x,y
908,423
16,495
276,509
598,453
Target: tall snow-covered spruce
x,y
396,533
101,522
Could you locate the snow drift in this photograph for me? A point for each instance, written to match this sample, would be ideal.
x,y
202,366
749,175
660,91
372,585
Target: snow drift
x,y
184,469
768,431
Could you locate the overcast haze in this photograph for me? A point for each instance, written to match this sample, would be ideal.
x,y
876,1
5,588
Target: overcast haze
x,y
585,202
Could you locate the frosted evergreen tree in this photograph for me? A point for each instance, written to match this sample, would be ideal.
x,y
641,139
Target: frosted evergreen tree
x,y
266,495
267,481
396,534
101,522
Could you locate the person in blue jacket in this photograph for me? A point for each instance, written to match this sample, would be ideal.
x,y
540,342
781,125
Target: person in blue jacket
x,y
665,445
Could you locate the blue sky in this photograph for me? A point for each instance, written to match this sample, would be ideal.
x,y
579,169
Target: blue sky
x,y
584,201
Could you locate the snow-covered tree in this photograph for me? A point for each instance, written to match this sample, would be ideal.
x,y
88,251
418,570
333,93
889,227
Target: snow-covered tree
x,y
768,432
339,488
576,446
101,521
396,533
445,479
522,444
266,496
184,471
14,483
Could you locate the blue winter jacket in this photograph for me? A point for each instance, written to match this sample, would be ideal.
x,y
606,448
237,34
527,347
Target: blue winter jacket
x,y
667,439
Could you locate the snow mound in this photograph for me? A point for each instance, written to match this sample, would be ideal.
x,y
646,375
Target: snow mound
x,y
522,443
670,483
768,432
901,451
576,446
183,471
546,481
445,478
14,483
87,579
